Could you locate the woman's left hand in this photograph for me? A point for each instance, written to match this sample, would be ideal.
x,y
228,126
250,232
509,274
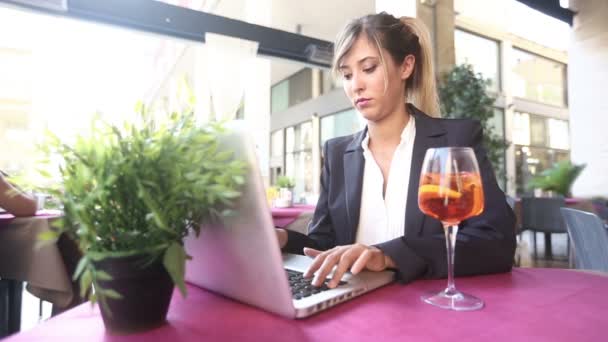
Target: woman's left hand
x,y
355,257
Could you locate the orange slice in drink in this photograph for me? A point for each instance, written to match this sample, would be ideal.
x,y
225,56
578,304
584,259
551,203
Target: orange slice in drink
x,y
439,191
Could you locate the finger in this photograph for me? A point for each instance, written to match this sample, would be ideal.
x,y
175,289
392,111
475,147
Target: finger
x,y
344,264
361,262
377,262
326,267
311,252
316,263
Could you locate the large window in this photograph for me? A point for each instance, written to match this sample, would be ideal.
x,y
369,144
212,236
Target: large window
x,y
329,82
277,155
297,88
539,79
481,53
59,84
298,159
530,161
497,122
497,127
539,143
279,96
341,124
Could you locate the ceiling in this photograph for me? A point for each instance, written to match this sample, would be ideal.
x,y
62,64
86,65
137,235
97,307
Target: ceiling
x,y
321,19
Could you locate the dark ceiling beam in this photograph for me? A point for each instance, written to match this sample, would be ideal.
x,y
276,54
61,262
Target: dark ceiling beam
x,y
551,8
179,22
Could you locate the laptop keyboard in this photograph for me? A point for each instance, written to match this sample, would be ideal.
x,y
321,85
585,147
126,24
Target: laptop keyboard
x,y
301,287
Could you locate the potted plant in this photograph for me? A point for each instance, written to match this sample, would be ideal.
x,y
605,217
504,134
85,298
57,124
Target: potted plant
x,y
463,94
557,179
285,198
130,195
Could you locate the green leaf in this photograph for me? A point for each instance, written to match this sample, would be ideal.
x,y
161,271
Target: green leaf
x,y
44,173
85,282
82,264
109,293
103,276
174,261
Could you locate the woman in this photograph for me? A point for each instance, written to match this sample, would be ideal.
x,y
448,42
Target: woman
x,y
14,201
367,216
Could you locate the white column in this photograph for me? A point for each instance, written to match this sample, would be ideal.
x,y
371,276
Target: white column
x,y
317,78
588,75
200,85
316,154
506,49
257,89
397,8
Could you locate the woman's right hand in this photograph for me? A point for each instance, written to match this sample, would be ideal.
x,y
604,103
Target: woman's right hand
x,y
281,236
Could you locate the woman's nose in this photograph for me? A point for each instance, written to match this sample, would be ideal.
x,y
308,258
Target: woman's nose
x,y
357,83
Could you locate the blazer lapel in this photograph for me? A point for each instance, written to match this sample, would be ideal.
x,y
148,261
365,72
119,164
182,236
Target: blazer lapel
x,y
429,133
354,163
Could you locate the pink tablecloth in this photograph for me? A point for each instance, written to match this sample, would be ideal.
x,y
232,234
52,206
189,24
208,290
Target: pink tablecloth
x,y
282,217
22,259
526,305
6,218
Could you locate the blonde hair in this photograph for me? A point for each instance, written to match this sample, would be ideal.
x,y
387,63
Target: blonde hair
x,y
400,37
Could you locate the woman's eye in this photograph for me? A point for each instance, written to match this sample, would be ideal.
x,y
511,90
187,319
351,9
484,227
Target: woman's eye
x,y
347,76
370,69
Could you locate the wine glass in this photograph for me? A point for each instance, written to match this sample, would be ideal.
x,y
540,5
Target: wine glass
x,y
451,191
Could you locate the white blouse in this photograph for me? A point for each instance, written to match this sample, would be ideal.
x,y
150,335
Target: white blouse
x,y
382,219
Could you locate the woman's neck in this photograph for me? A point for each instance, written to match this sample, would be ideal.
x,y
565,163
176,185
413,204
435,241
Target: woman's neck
x,y
387,132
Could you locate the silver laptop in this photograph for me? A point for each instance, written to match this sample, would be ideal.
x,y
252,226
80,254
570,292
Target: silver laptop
x,y
242,259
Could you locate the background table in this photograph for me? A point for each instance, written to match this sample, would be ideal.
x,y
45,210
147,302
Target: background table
x,y
41,266
22,259
525,305
295,218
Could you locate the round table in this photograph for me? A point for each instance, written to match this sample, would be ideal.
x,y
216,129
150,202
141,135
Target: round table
x,y
525,305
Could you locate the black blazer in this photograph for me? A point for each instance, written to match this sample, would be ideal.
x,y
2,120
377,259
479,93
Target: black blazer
x,y
486,243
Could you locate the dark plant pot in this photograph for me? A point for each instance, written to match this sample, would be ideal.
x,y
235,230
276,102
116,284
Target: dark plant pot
x,y
146,293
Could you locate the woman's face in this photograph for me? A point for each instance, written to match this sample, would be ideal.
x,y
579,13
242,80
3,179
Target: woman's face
x,y
374,93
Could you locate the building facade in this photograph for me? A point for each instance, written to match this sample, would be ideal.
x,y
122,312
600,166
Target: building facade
x,y
527,74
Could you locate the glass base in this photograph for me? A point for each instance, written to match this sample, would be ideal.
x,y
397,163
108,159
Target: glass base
x,y
453,300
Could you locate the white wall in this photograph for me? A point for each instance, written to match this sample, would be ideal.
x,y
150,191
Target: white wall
x,y
397,8
588,77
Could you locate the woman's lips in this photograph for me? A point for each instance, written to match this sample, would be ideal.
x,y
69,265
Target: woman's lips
x,y
362,103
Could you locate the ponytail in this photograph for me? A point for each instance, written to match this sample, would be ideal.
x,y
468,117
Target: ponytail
x,y
421,87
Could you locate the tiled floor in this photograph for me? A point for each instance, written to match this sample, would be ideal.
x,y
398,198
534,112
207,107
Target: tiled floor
x,y
30,309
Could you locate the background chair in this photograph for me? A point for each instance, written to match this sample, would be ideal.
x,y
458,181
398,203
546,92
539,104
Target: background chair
x,y
518,252
589,238
513,205
601,209
542,214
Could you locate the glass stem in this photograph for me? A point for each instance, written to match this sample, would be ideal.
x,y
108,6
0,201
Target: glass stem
x,y
450,243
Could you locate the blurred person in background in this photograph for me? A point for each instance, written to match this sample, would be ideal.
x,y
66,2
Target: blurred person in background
x,y
14,200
